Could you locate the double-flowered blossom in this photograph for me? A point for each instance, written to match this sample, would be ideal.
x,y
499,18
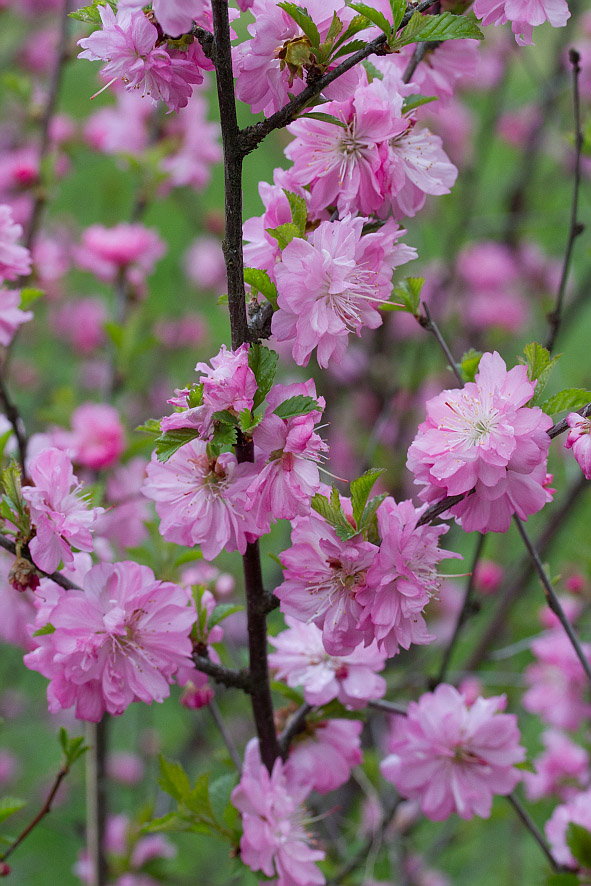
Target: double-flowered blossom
x,y
11,316
333,284
524,15
60,515
15,260
326,754
557,682
301,660
127,42
201,499
579,440
577,811
119,640
482,437
561,769
130,249
274,839
454,758
402,578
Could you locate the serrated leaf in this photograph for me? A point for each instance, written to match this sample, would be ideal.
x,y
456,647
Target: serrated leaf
x,y
299,210
469,364
398,8
357,24
333,515
222,611
349,48
90,14
170,442
246,421
412,102
263,363
176,823
368,523
219,795
336,26
226,417
305,22
151,426
29,295
437,28
223,435
174,780
298,405
284,234
46,629
326,118
9,806
198,798
409,293
287,692
377,18
360,490
578,840
539,368
261,282
570,398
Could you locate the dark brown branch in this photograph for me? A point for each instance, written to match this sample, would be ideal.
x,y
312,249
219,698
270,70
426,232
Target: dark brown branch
x,y
221,674
576,227
296,724
45,810
14,417
57,577
389,707
534,830
97,800
561,426
253,135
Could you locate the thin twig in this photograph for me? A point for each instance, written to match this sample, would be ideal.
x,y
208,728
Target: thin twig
x,y
18,426
551,598
296,724
416,59
45,810
96,800
533,829
389,707
429,324
575,228
57,577
225,676
463,615
369,845
226,737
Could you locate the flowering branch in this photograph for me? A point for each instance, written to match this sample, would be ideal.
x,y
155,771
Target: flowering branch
x,y
57,577
226,676
96,800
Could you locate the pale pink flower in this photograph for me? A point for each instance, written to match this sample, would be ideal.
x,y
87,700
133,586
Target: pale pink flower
x,y
123,522
402,579
261,250
81,322
125,767
126,248
488,576
204,264
198,147
200,501
15,260
417,166
127,42
11,316
176,16
524,15
579,440
488,265
561,769
301,660
483,437
185,332
119,640
97,438
121,129
17,609
274,838
334,284
576,810
440,69
454,758
557,682
325,755
61,517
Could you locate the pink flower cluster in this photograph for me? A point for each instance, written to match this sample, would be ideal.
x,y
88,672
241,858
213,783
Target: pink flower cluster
x,y
557,682
483,438
15,260
129,249
524,15
579,440
454,758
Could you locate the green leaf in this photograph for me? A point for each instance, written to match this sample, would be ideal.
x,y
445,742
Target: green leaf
x,y
30,295
167,444
374,16
173,822
91,13
222,611
562,880
570,398
368,523
347,49
398,8
261,282
115,332
222,299
226,417
306,23
219,794
578,840
246,421
263,363
195,396
359,23
412,102
224,434
539,368
469,364
174,780
299,210
287,692
299,405
409,293
284,234
10,805
360,490
436,28
334,515
151,426
46,629
73,748
326,118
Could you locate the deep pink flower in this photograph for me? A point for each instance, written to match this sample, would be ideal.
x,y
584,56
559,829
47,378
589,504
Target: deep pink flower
x,y
402,578
482,437
488,576
454,758
274,839
61,517
119,640
579,440
561,769
127,42
200,501
325,756
130,248
97,438
557,682
334,284
301,660
11,316
15,260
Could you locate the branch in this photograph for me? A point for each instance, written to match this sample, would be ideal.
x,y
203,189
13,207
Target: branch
x,y
296,725
252,136
226,676
57,577
429,324
576,228
561,426
534,831
18,426
389,707
96,800
45,810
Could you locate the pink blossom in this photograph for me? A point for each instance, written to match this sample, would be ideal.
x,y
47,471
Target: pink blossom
x,y
97,438
417,166
302,660
61,517
119,640
440,68
488,265
127,42
274,838
198,147
200,501
129,248
185,332
123,523
325,756
17,609
120,129
11,316
81,322
334,284
454,758
15,260
579,440
561,769
488,576
125,767
176,16
523,15
402,578
204,264
576,810
482,437
557,682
